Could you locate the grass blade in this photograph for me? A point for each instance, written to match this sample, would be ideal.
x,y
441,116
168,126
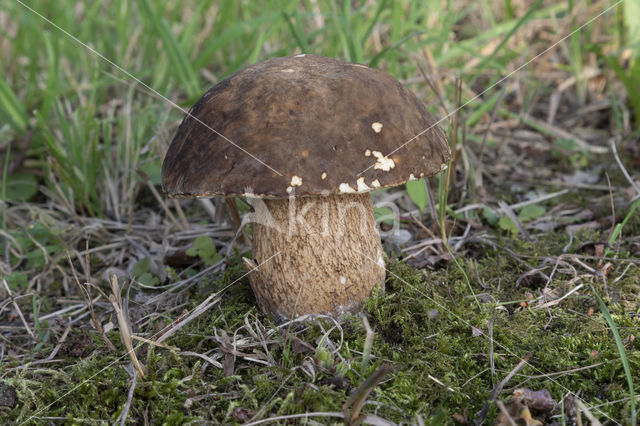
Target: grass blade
x,y
177,57
297,34
11,107
506,38
623,356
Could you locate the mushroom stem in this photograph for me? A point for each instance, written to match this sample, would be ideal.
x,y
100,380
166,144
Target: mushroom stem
x,y
315,255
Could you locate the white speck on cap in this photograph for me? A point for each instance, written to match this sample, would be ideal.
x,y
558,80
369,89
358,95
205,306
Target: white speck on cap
x,y
375,183
443,166
377,127
383,162
360,65
289,189
288,70
324,175
300,55
345,188
367,153
362,187
343,280
296,180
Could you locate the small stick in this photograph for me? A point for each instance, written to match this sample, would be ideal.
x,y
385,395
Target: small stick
x,y
614,151
89,303
209,208
496,391
505,413
124,324
582,407
509,212
493,396
158,198
183,218
125,412
17,308
492,362
359,396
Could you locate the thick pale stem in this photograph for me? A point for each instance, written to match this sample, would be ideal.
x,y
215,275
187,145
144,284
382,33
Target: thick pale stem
x,y
316,255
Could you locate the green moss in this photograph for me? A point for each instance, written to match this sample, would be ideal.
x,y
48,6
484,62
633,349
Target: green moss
x,y
424,326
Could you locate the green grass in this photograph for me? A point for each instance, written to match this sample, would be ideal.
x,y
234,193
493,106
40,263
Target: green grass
x,y
153,43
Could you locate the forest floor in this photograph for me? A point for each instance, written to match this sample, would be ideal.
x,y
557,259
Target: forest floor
x,y
517,295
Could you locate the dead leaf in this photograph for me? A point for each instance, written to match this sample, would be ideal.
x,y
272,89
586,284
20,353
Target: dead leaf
x,y
242,415
8,395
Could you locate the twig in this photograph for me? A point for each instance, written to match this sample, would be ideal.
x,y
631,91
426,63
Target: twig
x,y
125,411
124,324
17,308
199,310
89,303
582,407
496,391
159,199
492,362
209,208
614,151
493,396
556,301
509,212
183,218
505,413
359,396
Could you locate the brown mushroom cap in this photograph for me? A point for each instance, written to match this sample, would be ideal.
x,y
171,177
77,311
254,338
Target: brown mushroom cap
x,y
319,122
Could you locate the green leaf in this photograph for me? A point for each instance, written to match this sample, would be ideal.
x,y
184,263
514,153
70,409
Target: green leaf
x,y
631,13
142,272
17,280
148,279
205,249
507,224
418,193
531,212
490,215
21,187
384,215
153,169
141,267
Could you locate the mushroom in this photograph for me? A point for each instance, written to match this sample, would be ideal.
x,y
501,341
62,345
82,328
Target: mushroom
x,y
305,138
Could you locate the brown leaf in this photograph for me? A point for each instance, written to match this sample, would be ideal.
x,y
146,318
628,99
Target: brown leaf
x,y
540,400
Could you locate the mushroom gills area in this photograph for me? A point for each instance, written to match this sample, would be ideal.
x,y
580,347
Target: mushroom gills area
x,y
315,255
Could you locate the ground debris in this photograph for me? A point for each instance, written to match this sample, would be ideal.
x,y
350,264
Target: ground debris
x,y
527,407
8,395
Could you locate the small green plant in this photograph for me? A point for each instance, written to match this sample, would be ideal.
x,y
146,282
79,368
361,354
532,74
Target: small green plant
x,y
204,248
418,194
526,214
35,245
141,271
